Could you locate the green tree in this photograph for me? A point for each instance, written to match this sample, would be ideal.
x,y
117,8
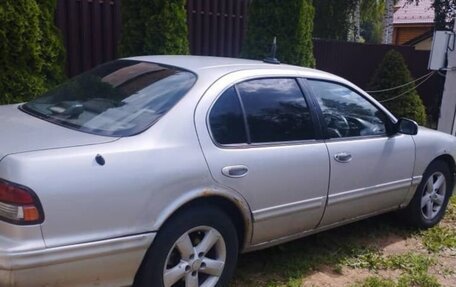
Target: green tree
x,y
291,21
372,20
402,102
332,18
31,55
152,27
52,50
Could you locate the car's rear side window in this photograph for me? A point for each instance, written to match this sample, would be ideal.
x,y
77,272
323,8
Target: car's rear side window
x,y
276,110
261,111
226,118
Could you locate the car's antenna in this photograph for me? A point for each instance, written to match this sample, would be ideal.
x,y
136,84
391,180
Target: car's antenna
x,y
272,59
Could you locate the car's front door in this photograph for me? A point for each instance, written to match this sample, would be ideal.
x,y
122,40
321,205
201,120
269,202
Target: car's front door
x,y
371,172
258,137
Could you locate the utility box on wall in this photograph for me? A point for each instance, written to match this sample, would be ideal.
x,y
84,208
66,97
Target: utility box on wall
x,y
442,42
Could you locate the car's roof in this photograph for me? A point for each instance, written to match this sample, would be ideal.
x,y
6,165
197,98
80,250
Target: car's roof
x,y
222,66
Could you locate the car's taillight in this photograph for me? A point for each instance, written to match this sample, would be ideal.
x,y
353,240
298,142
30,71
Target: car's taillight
x,y
19,204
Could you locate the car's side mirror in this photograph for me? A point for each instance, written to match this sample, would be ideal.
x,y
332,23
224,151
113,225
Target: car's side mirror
x,y
406,126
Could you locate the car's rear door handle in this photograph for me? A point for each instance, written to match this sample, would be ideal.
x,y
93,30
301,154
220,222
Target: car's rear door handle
x,y
235,171
343,157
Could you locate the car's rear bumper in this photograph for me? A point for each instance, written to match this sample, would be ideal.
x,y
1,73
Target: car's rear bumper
x,y
112,262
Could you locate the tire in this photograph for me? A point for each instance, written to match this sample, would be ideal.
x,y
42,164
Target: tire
x,y
171,257
430,201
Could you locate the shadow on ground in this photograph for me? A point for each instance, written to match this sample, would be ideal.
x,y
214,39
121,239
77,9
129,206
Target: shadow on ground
x,y
290,262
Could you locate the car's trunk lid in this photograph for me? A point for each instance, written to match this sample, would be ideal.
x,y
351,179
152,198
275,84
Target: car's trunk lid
x,y
21,132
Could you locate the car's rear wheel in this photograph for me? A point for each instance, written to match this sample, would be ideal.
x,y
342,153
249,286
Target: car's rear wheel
x,y
430,201
196,248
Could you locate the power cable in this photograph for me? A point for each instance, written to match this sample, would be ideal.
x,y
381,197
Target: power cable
x,y
406,92
401,86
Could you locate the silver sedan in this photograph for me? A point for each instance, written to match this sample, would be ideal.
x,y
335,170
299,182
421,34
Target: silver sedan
x,y
157,171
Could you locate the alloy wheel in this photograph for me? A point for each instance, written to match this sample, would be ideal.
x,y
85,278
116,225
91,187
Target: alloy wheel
x,y
433,196
197,259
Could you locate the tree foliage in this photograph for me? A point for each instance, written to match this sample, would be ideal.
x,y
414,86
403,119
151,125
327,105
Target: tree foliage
x,y
291,21
32,54
372,20
154,27
332,18
406,102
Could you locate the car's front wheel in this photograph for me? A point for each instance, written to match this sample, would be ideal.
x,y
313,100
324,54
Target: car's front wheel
x,y
197,247
428,205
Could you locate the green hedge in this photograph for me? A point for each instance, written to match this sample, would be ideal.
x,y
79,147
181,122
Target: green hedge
x,y
291,21
32,55
393,72
154,27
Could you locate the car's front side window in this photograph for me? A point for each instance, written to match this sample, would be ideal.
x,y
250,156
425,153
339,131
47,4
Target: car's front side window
x,y
347,113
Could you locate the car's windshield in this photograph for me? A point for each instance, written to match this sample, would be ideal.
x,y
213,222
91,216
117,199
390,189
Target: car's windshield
x,y
120,98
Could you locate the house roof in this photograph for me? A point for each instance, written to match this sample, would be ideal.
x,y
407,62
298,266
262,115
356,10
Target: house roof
x,y
423,13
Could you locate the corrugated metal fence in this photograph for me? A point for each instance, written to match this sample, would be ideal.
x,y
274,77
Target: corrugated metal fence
x,y
91,31
216,27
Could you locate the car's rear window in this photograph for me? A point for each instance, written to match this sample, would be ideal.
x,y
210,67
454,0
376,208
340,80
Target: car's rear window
x,y
120,98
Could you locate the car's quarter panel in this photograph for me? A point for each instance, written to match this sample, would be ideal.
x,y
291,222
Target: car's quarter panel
x,y
286,183
142,176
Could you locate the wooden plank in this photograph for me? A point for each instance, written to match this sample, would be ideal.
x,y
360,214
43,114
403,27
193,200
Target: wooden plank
x,y
86,40
108,52
222,27
237,29
61,23
214,28
206,27
117,26
97,39
74,43
198,27
190,23
229,31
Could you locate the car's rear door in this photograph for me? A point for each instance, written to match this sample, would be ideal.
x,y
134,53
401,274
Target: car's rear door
x,y
371,172
259,138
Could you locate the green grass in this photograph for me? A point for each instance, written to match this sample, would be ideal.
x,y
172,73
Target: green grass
x,y
442,237
354,246
439,238
287,264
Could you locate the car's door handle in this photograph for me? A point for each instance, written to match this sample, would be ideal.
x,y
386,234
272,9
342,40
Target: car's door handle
x,y
343,157
235,171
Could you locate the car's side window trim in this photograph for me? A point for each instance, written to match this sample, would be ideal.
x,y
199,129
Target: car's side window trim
x,y
308,100
312,94
244,115
313,107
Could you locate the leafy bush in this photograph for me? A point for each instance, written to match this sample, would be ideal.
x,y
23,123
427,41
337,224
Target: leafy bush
x,y
32,54
152,27
291,21
406,102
